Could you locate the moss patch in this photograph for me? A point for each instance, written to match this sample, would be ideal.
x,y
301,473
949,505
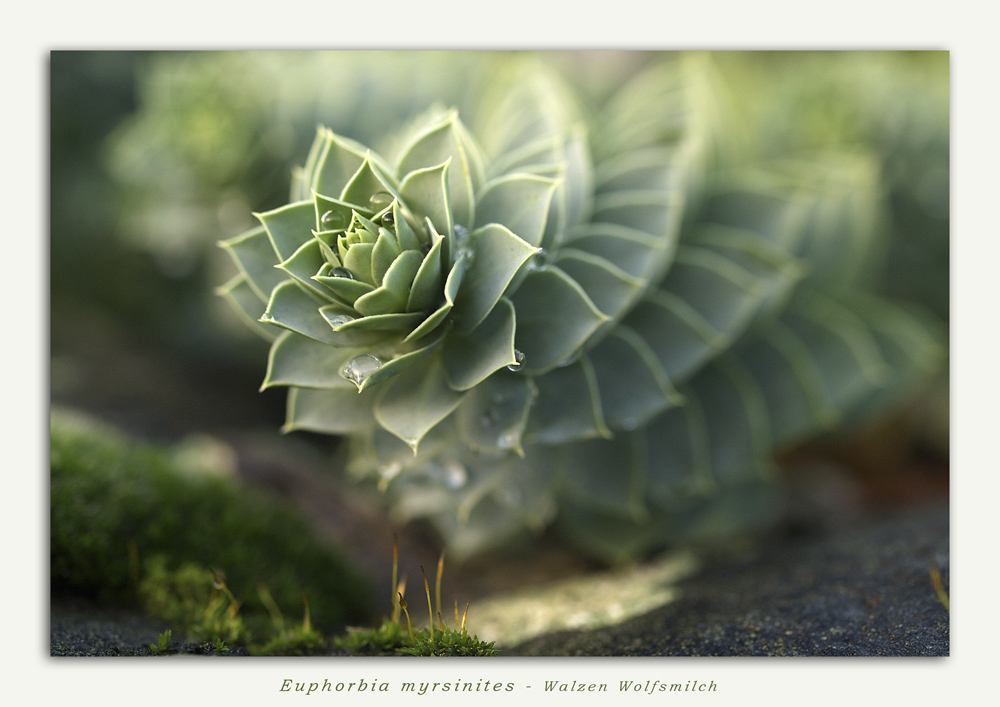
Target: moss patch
x,y
118,504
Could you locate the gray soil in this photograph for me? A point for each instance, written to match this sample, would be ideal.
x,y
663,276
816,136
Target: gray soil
x,y
862,591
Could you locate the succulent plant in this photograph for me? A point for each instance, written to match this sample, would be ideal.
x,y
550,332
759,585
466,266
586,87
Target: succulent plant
x,y
553,311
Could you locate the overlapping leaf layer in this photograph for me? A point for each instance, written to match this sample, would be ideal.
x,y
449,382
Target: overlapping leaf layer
x,y
564,313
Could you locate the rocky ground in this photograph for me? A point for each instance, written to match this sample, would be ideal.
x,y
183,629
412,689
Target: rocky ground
x,y
862,591
859,591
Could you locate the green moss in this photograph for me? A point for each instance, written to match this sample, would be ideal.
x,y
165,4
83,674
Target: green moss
x,y
122,510
163,643
193,598
392,638
437,639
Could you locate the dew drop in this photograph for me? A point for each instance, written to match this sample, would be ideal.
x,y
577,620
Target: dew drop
x,y
340,320
518,361
539,261
388,220
342,272
360,367
509,439
455,475
332,220
380,199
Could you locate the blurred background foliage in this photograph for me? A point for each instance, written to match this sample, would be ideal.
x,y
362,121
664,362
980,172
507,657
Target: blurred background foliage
x,y
156,156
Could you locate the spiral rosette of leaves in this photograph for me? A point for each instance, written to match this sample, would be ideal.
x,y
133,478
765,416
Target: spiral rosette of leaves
x,y
568,319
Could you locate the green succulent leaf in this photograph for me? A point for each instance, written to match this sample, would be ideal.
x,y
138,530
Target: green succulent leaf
x,y
499,254
288,227
244,300
846,352
427,283
652,212
337,160
632,384
607,475
299,361
368,181
568,406
368,325
426,192
552,333
415,401
492,417
303,266
294,309
446,143
336,411
518,201
345,289
738,448
472,356
254,255
725,295
383,370
610,289
637,253
793,388
394,292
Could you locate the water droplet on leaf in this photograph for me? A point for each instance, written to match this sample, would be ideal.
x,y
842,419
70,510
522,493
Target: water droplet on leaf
x,y
332,220
538,261
380,199
518,361
455,475
360,367
342,272
509,439
388,220
340,320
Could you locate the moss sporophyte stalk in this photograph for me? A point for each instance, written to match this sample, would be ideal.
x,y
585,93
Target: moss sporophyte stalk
x,y
552,309
392,637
